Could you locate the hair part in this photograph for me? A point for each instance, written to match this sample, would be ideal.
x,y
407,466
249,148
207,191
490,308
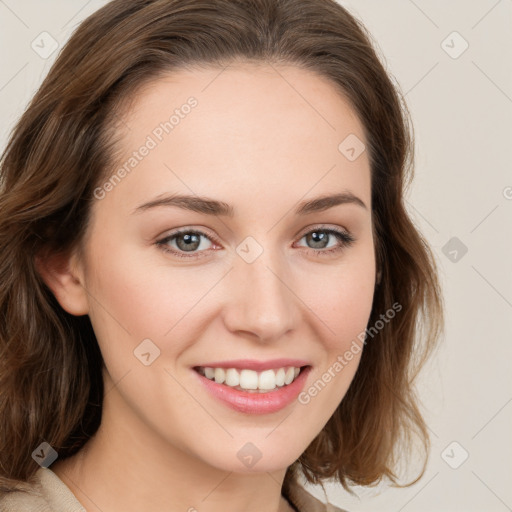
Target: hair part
x,y
65,145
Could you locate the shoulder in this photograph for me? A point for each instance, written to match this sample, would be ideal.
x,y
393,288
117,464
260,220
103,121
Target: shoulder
x,y
31,500
306,502
22,501
47,493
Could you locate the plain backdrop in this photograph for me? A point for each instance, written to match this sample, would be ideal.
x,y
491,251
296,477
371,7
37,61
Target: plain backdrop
x,y
453,60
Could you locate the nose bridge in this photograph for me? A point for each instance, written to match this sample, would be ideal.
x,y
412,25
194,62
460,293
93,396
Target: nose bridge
x,y
262,302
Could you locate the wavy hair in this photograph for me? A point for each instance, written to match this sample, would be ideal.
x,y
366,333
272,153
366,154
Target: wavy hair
x,y
64,145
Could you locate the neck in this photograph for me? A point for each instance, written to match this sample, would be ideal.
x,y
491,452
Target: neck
x,y
129,470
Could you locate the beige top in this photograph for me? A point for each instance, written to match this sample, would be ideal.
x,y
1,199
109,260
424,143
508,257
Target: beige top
x,y
51,494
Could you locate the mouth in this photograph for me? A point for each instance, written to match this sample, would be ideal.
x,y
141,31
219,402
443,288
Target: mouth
x,y
251,392
252,381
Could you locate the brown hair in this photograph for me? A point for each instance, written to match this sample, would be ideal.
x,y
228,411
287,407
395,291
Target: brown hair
x,y
63,146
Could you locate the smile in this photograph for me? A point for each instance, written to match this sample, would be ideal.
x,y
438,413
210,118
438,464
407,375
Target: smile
x,y
253,392
250,380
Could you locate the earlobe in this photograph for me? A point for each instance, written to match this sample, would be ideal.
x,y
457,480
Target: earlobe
x,y
63,276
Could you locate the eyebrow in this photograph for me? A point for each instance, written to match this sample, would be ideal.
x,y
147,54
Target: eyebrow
x,y
210,206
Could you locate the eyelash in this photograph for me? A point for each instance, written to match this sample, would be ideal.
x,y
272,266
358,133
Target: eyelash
x,y
344,237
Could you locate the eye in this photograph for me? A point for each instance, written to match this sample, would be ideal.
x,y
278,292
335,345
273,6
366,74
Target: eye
x,y
187,243
319,238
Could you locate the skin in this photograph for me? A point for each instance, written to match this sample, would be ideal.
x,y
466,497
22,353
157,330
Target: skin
x,y
262,138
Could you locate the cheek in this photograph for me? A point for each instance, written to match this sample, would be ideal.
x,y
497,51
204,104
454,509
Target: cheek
x,y
352,302
134,296
343,307
130,289
341,297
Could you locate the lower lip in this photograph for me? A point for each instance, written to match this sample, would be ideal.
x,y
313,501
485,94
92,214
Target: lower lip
x,y
256,403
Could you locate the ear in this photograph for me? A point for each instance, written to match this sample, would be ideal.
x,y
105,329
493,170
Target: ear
x,y
63,274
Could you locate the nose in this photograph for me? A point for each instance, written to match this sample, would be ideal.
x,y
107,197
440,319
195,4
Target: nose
x,y
261,299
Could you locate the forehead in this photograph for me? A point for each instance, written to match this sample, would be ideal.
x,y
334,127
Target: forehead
x,y
239,131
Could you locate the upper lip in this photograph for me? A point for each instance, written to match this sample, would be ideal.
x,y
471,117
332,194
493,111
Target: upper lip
x,y
253,364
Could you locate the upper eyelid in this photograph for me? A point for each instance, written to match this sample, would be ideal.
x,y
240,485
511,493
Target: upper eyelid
x,y
199,231
321,227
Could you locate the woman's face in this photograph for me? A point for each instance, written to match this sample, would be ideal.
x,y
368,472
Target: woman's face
x,y
255,274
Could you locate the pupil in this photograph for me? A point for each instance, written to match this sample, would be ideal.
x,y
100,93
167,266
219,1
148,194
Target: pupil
x,y
318,238
190,240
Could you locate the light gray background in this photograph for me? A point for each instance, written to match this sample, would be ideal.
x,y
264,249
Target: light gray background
x,y
462,113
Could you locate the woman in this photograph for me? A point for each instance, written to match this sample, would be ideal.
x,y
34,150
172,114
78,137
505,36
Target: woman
x,y
211,286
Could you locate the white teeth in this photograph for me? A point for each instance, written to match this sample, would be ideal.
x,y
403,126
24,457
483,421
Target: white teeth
x,y
248,379
267,380
220,375
280,377
289,375
251,380
232,377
